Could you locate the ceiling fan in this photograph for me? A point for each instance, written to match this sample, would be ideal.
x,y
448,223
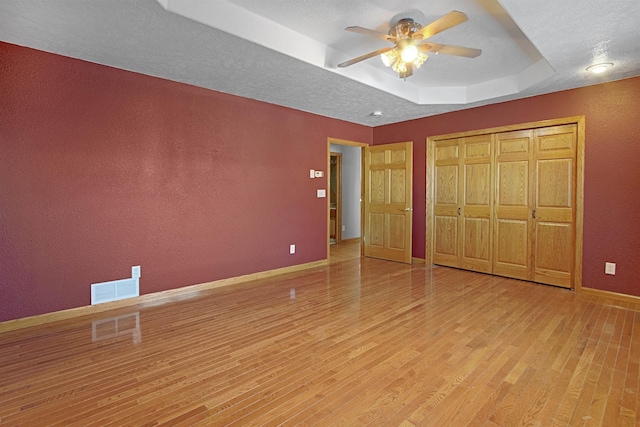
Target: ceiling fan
x,y
410,45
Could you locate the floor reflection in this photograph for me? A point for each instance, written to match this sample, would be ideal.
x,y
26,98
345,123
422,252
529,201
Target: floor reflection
x,y
118,326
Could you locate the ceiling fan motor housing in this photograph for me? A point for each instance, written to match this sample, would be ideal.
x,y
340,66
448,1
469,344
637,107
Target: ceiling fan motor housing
x,y
404,29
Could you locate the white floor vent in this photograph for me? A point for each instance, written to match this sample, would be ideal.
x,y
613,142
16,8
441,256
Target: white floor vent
x,y
116,289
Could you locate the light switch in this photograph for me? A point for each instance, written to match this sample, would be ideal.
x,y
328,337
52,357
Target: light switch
x,y
322,193
312,173
610,268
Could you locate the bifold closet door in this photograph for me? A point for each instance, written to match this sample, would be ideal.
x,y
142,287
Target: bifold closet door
x,y
535,205
463,196
515,170
447,207
554,205
477,203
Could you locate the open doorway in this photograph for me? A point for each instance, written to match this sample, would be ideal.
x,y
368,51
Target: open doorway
x,y
344,207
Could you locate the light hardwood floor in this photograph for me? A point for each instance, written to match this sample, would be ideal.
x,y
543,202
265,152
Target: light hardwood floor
x,y
359,342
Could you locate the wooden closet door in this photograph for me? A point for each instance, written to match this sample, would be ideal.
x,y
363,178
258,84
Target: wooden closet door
x,y
508,201
554,223
515,169
447,208
463,229
477,203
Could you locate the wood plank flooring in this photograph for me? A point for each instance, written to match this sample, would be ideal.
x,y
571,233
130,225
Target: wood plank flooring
x,y
358,342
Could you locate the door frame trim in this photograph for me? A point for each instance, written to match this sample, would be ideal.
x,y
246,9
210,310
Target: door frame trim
x,y
362,145
579,121
338,157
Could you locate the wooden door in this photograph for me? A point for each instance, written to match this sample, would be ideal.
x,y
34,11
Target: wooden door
x,y
535,200
554,206
463,203
447,209
388,171
518,187
515,169
477,182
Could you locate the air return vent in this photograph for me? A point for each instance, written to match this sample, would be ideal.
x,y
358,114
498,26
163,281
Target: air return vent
x,y
116,289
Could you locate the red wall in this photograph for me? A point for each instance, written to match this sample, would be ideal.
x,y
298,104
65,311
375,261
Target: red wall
x,y
102,169
612,175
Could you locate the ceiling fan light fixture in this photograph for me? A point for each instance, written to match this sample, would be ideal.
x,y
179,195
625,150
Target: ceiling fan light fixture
x,y
400,67
389,58
420,59
394,59
599,68
409,53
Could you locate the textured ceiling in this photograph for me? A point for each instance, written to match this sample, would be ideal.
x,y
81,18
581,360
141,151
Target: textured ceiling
x,y
314,33
285,51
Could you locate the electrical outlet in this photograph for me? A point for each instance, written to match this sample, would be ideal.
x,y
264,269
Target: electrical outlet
x,y
610,268
292,249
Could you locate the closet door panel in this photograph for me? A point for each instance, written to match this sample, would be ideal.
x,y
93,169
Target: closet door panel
x,y
554,253
512,249
554,205
477,244
446,225
513,220
477,203
446,248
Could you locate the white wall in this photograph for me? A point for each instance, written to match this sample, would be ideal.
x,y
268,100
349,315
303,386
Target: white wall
x,y
351,176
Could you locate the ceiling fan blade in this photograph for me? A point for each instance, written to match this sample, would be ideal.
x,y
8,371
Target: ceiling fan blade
x,y
449,20
372,33
446,49
366,56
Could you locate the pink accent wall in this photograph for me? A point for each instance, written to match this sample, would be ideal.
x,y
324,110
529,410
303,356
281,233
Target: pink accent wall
x,y
102,169
612,173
